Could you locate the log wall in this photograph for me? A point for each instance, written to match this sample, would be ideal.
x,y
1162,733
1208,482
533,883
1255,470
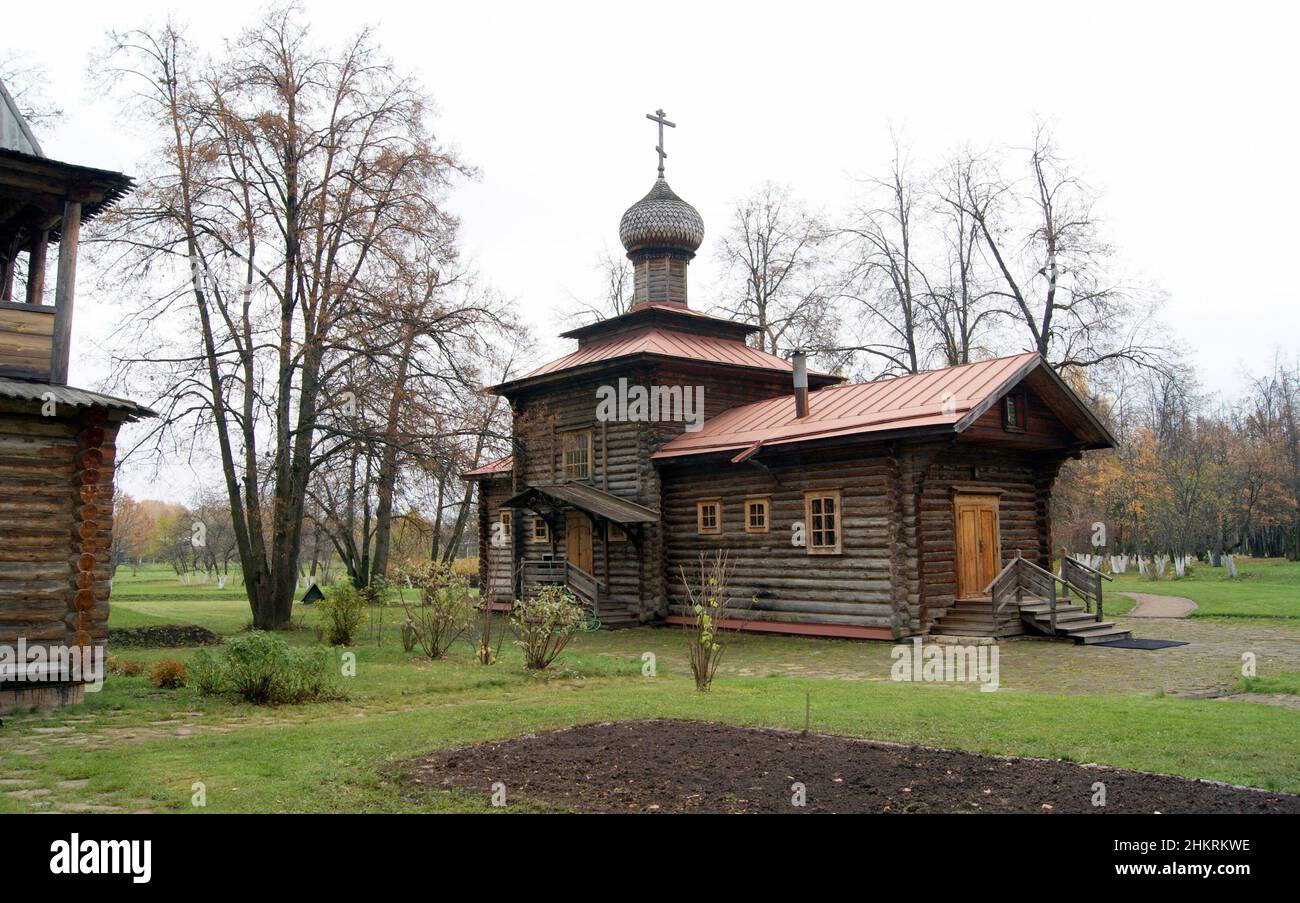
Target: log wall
x,y
56,507
1024,481
26,340
773,579
631,572
494,564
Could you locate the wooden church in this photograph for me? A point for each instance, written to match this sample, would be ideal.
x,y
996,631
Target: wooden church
x,y
895,508
56,442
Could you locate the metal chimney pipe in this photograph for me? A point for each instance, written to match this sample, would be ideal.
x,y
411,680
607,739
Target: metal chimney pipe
x,y
800,360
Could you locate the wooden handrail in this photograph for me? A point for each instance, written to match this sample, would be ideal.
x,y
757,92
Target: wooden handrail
x,y
1021,574
1088,567
583,584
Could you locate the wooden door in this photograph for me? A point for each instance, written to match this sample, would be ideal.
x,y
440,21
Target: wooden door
x,y
979,550
577,539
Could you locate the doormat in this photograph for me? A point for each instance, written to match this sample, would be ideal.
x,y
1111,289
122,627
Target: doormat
x,y
1140,644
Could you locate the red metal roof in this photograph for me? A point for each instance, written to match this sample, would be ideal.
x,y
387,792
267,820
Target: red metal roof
x,y
499,466
936,398
669,343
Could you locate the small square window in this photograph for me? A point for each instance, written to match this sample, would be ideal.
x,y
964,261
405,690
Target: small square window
x,y
541,530
756,514
708,517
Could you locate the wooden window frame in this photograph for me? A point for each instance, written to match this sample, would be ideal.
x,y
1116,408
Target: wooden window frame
x,y
700,529
585,437
838,514
615,532
766,502
507,519
545,536
1020,400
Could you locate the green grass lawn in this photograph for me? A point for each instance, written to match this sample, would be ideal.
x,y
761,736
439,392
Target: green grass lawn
x,y
1288,683
1264,588
135,747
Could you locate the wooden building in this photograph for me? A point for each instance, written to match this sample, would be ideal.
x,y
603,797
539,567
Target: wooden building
x,y
57,442
895,508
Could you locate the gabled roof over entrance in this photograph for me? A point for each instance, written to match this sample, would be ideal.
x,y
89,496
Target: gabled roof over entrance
x,y
586,498
939,401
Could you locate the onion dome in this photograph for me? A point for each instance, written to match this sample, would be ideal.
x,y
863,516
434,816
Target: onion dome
x,y
661,221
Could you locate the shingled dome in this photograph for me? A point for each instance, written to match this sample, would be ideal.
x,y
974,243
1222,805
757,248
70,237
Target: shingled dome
x,y
661,220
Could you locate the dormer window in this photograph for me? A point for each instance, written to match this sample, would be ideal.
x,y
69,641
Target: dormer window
x,y
1014,413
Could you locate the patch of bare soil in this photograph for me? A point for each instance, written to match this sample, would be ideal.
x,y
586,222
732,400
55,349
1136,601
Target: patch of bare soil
x,y
685,766
167,636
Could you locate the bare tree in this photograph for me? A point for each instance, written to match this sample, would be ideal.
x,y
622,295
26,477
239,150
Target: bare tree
x,y
25,81
287,171
959,304
884,278
774,273
616,293
1044,243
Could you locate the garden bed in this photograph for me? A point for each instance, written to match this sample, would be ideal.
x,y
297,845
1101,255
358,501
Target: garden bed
x,y
166,637
686,766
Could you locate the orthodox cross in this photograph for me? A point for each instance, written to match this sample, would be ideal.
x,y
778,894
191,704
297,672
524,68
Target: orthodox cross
x,y
659,118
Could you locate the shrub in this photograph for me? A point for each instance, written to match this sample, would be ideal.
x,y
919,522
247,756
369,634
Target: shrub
x,y
706,592
441,613
260,668
410,636
544,623
168,674
254,665
341,613
206,674
309,677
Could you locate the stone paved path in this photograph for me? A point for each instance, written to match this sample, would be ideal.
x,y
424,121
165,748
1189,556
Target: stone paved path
x,y
1153,606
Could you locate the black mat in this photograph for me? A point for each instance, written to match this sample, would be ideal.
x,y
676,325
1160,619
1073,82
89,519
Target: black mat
x,y
1132,643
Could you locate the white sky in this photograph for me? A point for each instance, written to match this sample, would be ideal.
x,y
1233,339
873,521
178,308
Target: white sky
x,y
1183,114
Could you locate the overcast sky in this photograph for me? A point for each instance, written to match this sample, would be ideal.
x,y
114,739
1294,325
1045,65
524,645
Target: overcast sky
x,y
1183,114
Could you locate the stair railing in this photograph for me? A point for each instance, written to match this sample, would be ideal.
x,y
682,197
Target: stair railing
x,y
1084,580
565,573
1021,575
584,585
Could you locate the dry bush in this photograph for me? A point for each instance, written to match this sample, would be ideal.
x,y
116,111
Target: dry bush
x,y
168,674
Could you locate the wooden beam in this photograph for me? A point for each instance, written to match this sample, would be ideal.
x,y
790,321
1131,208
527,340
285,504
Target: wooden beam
x,y
6,279
64,292
36,268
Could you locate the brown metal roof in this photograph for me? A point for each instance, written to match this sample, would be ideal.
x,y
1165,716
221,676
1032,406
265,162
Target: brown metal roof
x,y
493,469
589,499
943,400
668,343
665,314
67,395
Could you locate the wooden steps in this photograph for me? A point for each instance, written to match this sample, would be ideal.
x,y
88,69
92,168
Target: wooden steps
x,y
974,617
616,617
1073,622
